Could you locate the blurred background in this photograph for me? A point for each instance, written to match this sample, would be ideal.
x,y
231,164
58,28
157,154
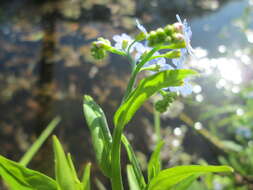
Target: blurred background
x,y
46,67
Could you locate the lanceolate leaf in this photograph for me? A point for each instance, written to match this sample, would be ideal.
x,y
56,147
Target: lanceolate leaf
x,y
132,180
167,179
19,177
186,183
101,136
86,177
72,167
63,170
146,88
154,164
134,163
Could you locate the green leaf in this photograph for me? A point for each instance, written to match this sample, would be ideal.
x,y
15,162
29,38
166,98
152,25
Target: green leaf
x,y
132,180
134,163
86,177
100,133
196,185
37,144
19,177
63,171
146,88
72,167
154,164
168,178
186,183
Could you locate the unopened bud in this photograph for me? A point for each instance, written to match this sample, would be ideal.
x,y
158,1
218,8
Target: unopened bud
x,y
98,44
98,53
99,47
169,30
141,36
160,35
152,35
178,27
178,37
162,105
168,39
152,38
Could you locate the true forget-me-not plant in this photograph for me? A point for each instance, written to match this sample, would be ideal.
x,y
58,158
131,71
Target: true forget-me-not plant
x,y
161,52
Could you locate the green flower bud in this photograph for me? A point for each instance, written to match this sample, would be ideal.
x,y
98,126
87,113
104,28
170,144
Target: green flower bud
x,y
141,36
99,48
177,37
160,35
168,39
178,27
169,30
151,38
162,105
97,52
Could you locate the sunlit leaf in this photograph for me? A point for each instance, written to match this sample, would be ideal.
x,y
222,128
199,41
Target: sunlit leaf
x,y
146,88
168,178
132,180
19,177
72,167
63,171
101,136
186,183
86,177
134,163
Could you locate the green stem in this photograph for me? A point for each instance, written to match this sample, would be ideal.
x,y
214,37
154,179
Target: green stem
x,y
130,84
132,61
116,178
157,124
136,70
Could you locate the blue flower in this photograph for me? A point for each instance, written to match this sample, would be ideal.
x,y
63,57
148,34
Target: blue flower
x,y
122,42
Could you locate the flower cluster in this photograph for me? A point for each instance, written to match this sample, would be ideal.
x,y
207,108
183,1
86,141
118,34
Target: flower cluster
x,y
167,99
173,40
99,48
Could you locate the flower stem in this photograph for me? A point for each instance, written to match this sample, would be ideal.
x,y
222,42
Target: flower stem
x,y
116,178
136,70
157,124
